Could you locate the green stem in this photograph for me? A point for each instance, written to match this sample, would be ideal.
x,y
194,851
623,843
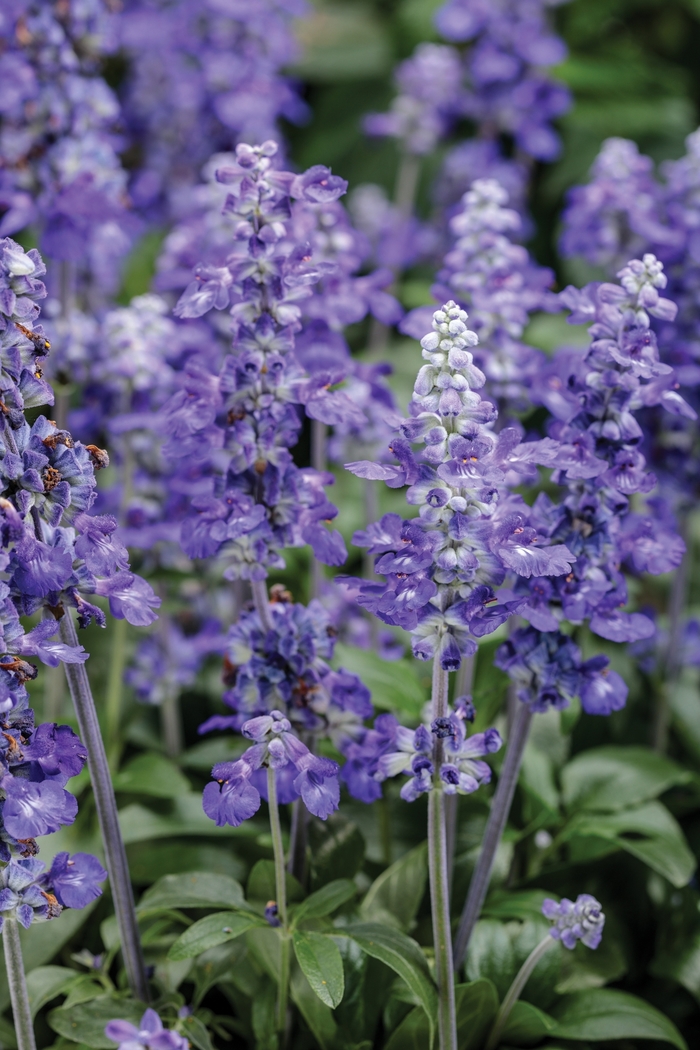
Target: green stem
x,y
21,1013
515,990
113,705
281,891
437,871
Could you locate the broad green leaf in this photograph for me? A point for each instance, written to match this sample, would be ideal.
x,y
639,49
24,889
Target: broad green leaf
x,y
325,901
403,956
210,931
537,777
197,1033
317,1015
491,955
152,774
320,961
582,968
527,1026
607,1014
337,850
149,861
648,832
396,685
517,904
395,896
476,1007
263,1016
195,889
681,963
264,945
261,883
185,817
613,778
46,982
86,1023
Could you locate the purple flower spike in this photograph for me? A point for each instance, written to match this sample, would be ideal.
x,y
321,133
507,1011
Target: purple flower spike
x,y
318,185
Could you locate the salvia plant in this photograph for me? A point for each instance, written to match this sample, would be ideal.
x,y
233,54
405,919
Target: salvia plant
x,y
373,503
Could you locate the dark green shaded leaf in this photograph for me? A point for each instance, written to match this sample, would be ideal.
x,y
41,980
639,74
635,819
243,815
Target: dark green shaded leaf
x,y
491,955
86,1023
210,931
152,774
322,965
607,1014
395,896
185,817
648,832
316,1014
527,1026
337,850
46,982
325,901
195,889
262,887
476,1007
396,686
613,778
403,956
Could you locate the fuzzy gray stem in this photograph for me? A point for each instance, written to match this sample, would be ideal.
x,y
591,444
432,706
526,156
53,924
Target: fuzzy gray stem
x,y
21,1012
437,871
500,808
464,682
673,661
105,803
515,990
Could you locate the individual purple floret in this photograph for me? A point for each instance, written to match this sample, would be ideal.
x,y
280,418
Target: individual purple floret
x,y
462,770
287,668
580,920
29,893
235,796
150,1035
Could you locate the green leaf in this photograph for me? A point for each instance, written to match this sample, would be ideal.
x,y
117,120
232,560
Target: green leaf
x,y
86,1023
197,1033
537,777
325,901
615,778
395,896
195,889
607,1014
403,956
527,1025
648,832
491,955
476,1007
185,817
210,931
337,850
262,886
152,774
320,961
582,968
519,904
397,685
317,1015
46,982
